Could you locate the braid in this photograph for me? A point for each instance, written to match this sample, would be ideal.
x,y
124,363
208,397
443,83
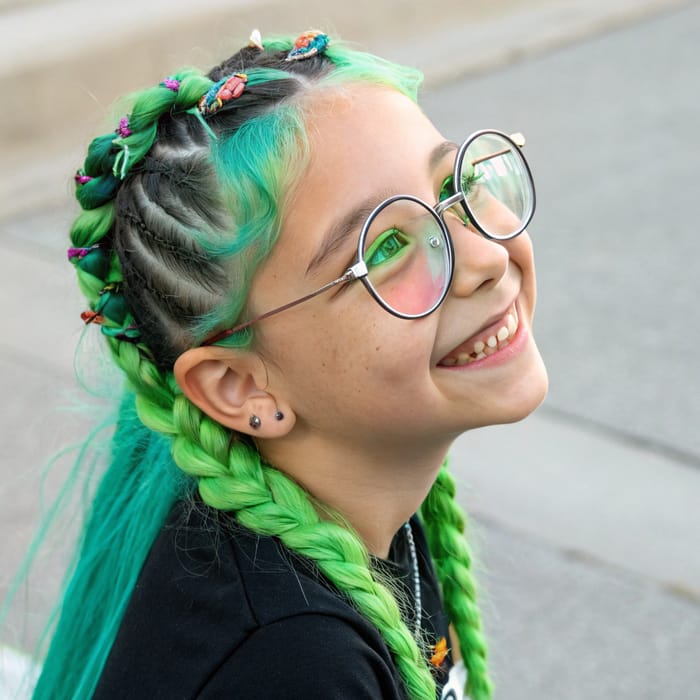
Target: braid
x,y
266,501
444,524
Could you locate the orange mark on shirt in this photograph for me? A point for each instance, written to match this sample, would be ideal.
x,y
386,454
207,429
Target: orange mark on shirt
x,y
440,652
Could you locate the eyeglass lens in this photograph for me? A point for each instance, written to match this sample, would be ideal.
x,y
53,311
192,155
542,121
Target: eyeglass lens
x,y
408,257
497,185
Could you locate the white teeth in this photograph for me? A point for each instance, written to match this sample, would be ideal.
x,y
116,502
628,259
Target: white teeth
x,y
493,343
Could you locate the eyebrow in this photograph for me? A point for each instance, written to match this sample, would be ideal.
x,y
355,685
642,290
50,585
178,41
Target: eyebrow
x,y
439,152
337,234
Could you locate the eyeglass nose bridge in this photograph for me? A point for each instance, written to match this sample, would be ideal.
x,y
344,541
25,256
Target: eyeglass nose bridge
x,y
443,205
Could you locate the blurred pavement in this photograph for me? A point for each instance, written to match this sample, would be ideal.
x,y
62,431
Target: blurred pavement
x,y
586,515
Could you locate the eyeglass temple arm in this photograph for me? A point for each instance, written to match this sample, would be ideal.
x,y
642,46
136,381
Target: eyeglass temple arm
x,y
518,139
353,273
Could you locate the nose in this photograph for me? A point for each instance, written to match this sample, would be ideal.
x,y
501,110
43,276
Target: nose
x,y
479,261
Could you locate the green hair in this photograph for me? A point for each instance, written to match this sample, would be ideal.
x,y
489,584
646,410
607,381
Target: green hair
x,y
178,214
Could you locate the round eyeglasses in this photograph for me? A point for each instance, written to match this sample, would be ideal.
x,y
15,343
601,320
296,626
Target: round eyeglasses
x,y
405,254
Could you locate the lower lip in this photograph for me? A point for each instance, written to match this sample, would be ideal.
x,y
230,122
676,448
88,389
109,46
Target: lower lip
x,y
515,346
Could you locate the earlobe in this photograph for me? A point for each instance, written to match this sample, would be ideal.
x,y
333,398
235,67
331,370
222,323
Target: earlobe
x,y
230,386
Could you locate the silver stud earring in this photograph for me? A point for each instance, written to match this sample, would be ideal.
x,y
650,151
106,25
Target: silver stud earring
x,y
254,422
279,415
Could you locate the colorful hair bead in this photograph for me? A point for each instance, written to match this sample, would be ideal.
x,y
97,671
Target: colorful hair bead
x,y
221,92
123,129
171,83
307,45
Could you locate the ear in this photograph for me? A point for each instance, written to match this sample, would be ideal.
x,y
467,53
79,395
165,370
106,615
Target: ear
x,y
230,386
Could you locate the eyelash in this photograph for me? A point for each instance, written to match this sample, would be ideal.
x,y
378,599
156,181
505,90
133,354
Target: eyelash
x,y
447,187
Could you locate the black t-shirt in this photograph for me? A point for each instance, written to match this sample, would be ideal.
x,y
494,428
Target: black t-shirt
x,y
220,612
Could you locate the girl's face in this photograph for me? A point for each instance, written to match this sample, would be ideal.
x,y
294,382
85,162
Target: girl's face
x,y
352,372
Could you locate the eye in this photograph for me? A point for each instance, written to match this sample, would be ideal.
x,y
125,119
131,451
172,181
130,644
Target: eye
x,y
469,187
447,188
388,245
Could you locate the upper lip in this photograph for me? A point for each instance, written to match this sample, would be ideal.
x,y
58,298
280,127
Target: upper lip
x,y
489,322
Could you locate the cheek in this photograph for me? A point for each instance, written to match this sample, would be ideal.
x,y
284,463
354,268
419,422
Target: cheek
x,y
418,288
520,250
521,253
392,370
340,354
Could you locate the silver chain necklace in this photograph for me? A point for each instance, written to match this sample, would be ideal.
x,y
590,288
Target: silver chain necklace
x,y
416,579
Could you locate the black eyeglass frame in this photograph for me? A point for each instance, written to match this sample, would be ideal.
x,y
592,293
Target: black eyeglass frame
x,y
359,270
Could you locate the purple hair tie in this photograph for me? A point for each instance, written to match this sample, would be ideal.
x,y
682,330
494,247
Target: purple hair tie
x,y
82,178
80,253
123,129
171,83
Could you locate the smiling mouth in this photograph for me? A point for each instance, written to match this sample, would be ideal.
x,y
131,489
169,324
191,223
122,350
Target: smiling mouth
x,y
489,341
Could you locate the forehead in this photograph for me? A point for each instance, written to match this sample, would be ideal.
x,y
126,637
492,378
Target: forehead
x,y
360,131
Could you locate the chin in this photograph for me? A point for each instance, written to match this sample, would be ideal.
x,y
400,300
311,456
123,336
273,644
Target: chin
x,y
523,398
516,399
524,408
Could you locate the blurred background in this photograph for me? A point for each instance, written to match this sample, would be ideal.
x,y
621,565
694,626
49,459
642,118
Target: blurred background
x,y
586,516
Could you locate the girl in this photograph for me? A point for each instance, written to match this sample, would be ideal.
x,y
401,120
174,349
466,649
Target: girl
x,y
311,294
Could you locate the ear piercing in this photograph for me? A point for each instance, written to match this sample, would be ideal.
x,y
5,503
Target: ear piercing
x,y
254,422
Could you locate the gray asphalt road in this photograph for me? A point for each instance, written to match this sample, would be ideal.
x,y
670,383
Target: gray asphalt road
x,y
586,515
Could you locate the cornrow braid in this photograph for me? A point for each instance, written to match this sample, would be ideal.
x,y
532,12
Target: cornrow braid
x,y
108,160
176,233
444,523
179,209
